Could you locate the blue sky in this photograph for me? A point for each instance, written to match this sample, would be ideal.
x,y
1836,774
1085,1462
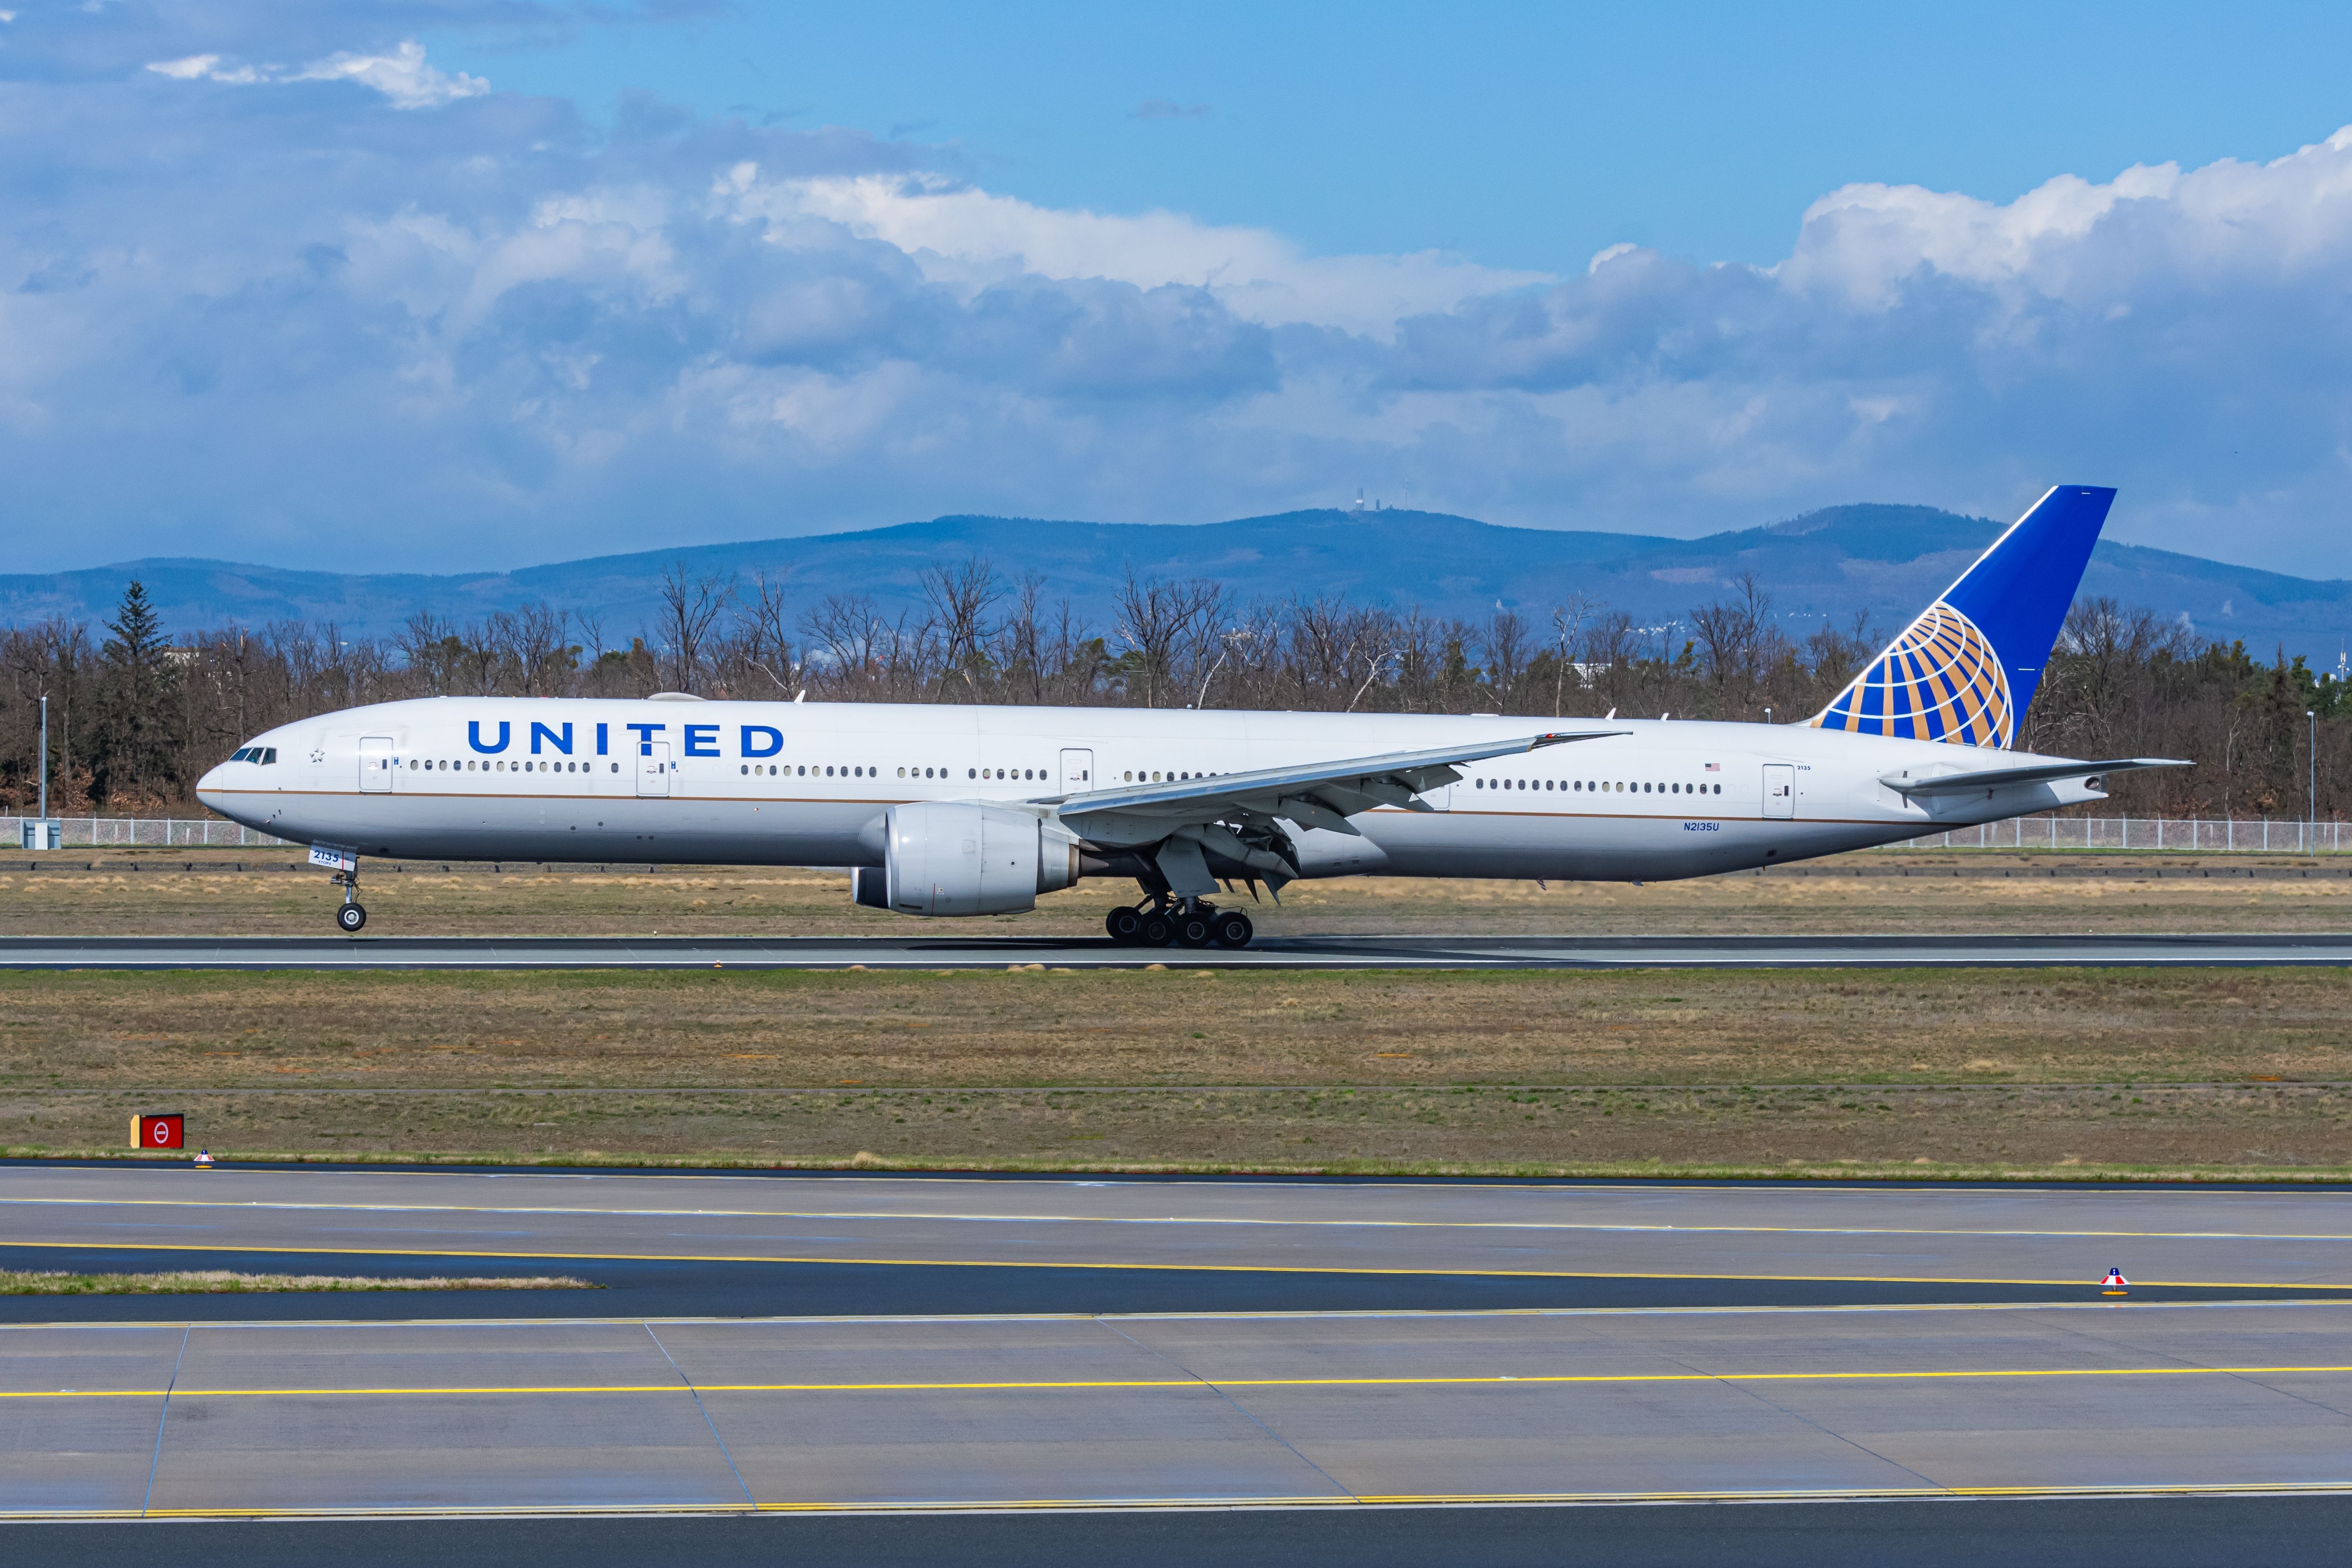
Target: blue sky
x,y
1523,135
441,285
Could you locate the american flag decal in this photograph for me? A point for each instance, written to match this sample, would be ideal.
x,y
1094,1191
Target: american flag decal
x,y
1715,767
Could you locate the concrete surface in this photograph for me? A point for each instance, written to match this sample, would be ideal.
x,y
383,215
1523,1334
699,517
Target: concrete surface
x,y
941,949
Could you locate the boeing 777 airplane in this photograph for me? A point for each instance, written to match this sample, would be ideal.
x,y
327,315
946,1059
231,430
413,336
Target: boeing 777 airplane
x,y
944,810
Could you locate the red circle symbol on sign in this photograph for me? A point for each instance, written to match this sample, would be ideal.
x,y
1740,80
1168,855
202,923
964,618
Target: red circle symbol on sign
x,y
162,1132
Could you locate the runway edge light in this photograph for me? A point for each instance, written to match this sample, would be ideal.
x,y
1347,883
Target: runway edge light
x,y
159,1130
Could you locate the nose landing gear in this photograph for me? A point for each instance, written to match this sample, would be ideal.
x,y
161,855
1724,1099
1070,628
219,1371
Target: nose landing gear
x,y
1187,923
353,915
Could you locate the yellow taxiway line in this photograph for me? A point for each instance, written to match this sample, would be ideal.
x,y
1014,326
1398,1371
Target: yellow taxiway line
x,y
1235,1221
1334,1499
1083,1385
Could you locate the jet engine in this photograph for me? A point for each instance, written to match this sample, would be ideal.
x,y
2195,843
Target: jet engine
x,y
948,858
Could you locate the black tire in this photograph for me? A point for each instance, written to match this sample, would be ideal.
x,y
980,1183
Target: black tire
x,y
350,917
1158,930
1234,929
1124,926
1196,930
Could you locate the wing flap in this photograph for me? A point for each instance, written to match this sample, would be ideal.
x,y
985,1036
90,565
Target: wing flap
x,y
1314,794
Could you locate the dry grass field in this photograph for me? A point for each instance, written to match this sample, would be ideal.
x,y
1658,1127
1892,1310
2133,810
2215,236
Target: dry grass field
x,y
1929,1071
1925,1072
253,892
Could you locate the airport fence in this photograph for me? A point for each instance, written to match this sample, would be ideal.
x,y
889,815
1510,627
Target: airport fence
x,y
104,832
2215,835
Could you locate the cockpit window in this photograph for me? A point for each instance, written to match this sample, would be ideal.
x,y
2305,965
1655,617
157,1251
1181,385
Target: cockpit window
x,y
241,755
262,754
268,755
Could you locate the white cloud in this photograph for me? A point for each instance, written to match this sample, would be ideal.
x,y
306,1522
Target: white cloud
x,y
401,76
509,328
964,236
206,68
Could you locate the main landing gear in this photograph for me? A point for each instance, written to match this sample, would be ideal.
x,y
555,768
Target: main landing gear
x,y
1179,923
353,915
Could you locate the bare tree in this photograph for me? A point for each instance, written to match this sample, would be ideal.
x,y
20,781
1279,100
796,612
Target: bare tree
x,y
1567,623
545,662
691,607
957,600
763,643
1740,640
1505,645
1159,621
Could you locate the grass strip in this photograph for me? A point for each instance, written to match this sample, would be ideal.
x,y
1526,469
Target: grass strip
x,y
1911,1172
222,1282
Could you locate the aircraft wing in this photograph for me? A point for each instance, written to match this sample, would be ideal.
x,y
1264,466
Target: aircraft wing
x,y
1997,778
1314,795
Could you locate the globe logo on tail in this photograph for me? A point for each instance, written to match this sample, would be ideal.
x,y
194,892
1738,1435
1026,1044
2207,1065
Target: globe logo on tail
x,y
1941,680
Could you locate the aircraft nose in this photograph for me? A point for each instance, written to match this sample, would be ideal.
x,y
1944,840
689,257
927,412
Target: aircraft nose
x,y
209,786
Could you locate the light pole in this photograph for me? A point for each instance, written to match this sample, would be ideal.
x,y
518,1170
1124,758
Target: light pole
x,y
2311,719
45,762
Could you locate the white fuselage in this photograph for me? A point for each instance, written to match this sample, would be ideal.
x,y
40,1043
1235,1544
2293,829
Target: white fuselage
x,y
807,783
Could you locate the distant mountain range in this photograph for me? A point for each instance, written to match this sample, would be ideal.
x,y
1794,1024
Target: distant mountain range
x,y
1888,560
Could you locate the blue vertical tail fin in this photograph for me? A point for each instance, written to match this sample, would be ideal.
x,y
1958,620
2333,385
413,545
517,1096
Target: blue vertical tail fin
x,y
1965,671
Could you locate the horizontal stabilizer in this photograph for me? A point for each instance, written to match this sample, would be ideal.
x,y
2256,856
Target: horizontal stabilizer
x,y
1985,779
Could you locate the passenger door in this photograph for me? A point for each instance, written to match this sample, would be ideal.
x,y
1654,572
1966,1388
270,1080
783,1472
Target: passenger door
x,y
375,762
653,768
1078,771
1779,790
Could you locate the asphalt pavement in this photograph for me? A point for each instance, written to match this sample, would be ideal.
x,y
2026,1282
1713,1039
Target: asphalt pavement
x,y
1436,950
1070,1411
780,1367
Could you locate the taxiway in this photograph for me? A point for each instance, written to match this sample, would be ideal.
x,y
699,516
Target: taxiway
x,y
970,952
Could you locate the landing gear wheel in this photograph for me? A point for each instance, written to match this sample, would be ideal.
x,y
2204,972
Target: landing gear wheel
x,y
350,917
1124,926
1198,929
1234,929
1158,930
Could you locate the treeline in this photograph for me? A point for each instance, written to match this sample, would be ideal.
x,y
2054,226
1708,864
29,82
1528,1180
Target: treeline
x,y
137,716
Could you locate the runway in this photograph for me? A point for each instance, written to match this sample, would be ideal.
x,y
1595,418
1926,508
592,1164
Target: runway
x,y
1224,1410
965,952
1260,1355
1928,1235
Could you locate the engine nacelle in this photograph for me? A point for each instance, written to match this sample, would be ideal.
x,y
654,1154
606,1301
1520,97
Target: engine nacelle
x,y
947,858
